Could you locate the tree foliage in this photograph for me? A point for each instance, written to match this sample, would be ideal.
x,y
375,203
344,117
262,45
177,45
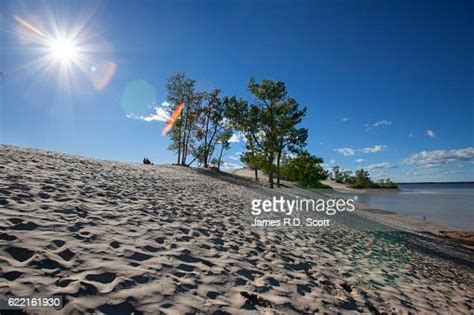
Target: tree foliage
x,y
201,124
181,89
246,119
304,169
269,124
212,126
360,179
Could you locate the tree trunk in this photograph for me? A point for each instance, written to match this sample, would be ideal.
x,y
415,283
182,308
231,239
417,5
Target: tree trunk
x,y
206,151
270,176
278,168
179,147
192,161
272,157
210,149
220,158
185,155
252,150
185,135
179,137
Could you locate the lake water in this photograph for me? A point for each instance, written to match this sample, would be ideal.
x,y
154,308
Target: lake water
x,y
443,203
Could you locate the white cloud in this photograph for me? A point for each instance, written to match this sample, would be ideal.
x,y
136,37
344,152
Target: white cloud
x,y
411,135
344,119
378,124
382,122
439,157
237,137
351,152
430,133
383,165
376,148
345,151
332,161
161,113
235,156
360,160
228,166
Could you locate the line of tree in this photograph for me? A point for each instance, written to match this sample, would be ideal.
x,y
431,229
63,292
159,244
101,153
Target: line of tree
x,y
200,127
269,124
360,179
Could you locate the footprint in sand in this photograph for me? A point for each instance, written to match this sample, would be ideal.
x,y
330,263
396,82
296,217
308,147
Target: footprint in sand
x,y
19,253
105,277
7,237
29,226
139,256
58,243
114,244
66,254
47,264
12,275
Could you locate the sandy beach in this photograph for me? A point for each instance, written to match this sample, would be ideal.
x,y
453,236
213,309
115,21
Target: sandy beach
x,y
122,237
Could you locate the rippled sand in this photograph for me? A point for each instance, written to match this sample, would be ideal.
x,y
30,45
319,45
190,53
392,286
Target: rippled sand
x,y
121,238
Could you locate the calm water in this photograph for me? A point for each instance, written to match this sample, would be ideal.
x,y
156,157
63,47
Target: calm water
x,y
444,203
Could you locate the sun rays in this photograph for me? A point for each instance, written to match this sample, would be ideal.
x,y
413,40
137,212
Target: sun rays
x,y
58,49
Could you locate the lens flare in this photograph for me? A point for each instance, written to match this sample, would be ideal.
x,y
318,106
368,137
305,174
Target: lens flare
x,y
137,97
28,26
172,119
101,75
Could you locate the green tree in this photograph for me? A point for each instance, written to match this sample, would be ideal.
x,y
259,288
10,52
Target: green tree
x,y
337,175
304,169
211,126
362,179
269,125
278,114
290,138
347,177
268,96
181,89
255,161
245,119
223,140
386,183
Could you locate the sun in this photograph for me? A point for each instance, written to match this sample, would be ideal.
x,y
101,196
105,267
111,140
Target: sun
x,y
63,50
72,54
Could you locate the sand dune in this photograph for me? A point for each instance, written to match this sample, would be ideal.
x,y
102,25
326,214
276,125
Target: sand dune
x,y
122,238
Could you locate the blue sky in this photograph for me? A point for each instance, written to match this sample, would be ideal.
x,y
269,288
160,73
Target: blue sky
x,y
389,86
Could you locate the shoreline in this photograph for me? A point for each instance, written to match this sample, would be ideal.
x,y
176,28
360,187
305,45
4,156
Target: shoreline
x,y
398,220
